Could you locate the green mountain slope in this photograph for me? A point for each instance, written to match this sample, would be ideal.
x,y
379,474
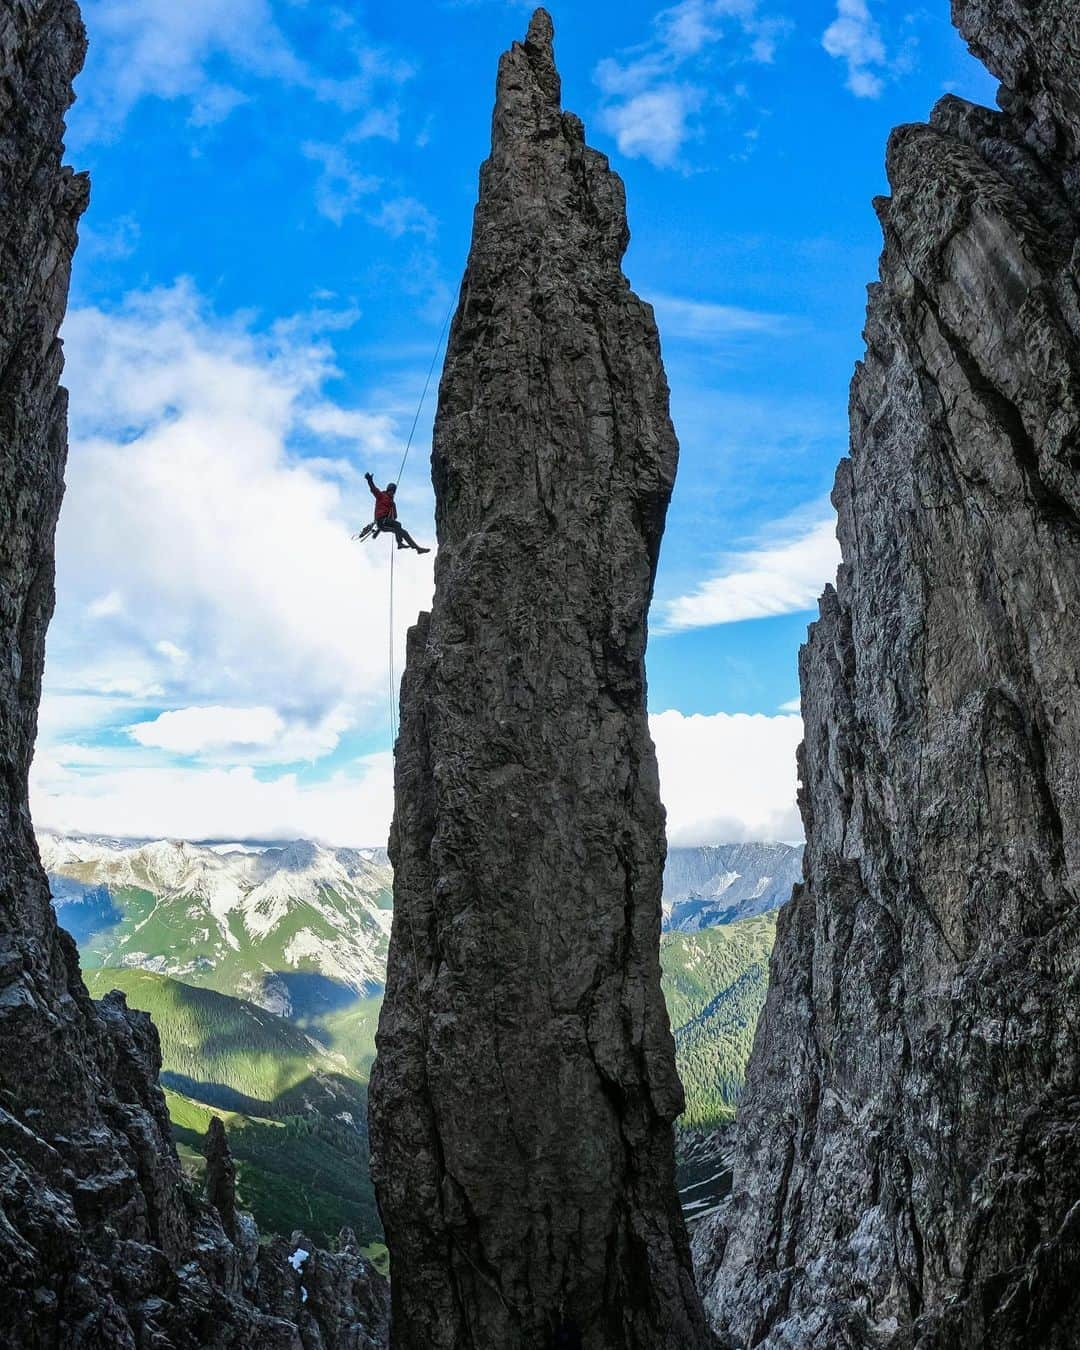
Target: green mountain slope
x,y
262,974
232,1054
295,1113
299,929
714,982
299,1172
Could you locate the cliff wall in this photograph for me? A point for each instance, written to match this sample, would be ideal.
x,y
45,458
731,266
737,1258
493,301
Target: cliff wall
x,y
908,1165
102,1242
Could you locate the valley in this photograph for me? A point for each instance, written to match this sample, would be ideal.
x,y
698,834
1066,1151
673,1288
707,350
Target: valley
x,y
261,965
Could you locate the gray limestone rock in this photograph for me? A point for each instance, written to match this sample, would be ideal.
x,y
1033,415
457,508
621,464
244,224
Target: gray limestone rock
x,y
220,1175
102,1244
524,1093
908,1169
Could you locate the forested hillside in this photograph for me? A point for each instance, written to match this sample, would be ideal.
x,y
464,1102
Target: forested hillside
x,y
714,982
295,1113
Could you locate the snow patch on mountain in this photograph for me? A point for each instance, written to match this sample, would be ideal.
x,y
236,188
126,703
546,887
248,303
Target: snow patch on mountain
x,y
718,884
239,918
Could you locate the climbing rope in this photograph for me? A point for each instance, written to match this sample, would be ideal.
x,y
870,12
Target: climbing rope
x,y
423,396
393,682
400,475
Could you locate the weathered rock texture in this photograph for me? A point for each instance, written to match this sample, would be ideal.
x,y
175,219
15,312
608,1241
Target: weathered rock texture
x,y
102,1244
525,1087
909,1159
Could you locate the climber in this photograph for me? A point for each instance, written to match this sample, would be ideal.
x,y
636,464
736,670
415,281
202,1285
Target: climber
x,y
386,517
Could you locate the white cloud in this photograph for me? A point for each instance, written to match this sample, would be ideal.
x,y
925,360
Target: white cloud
x,y
172,652
854,37
405,215
189,730
191,803
793,705
341,187
106,606
384,122
783,576
227,735
728,778
653,124
215,558
162,49
159,48
110,242
649,106
724,778
701,319
373,433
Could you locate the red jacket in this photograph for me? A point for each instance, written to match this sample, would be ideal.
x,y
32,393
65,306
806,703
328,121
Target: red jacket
x,y
384,503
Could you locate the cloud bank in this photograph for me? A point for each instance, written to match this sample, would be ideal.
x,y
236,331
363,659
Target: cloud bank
x,y
728,778
215,624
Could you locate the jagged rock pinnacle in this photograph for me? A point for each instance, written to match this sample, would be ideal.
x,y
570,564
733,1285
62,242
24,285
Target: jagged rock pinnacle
x,y
541,33
522,1100
220,1174
528,98
908,1168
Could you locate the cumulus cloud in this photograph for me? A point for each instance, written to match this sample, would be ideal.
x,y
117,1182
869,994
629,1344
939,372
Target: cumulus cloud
x,y
652,94
729,777
855,38
724,778
782,576
251,735
204,562
374,433
189,730
655,123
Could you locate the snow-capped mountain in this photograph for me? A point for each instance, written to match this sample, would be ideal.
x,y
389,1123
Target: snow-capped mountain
x,y
294,927
303,930
720,883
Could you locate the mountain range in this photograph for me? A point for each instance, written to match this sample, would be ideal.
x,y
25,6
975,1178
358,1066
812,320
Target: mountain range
x,y
296,928
720,883
262,967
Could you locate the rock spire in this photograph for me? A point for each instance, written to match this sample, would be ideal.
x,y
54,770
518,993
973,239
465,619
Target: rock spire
x,y
102,1244
220,1175
908,1168
522,1100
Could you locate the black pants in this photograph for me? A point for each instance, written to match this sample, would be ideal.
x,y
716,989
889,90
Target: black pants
x,y
400,533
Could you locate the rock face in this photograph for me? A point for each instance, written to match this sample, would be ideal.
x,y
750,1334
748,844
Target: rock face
x,y
102,1243
908,1170
523,1096
220,1175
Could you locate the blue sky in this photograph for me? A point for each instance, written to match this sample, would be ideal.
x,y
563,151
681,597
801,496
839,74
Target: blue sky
x,y
282,199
